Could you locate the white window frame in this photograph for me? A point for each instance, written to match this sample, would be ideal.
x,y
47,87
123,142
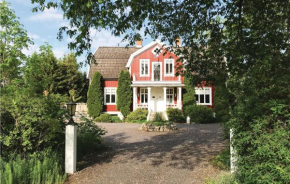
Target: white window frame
x,y
168,61
145,61
110,88
167,101
152,78
143,93
201,91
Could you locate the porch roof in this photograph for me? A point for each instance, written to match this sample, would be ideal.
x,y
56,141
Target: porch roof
x,y
157,84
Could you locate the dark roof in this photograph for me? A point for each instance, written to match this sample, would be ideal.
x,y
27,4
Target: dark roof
x,y
111,60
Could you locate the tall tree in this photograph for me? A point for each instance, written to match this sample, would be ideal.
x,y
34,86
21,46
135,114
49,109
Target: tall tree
x,y
42,67
124,93
13,38
95,96
68,77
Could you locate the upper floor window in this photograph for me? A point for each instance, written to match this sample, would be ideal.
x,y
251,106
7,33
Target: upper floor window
x,y
110,95
203,96
144,67
169,67
144,95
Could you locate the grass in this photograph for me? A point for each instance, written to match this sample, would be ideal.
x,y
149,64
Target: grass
x,y
223,178
222,160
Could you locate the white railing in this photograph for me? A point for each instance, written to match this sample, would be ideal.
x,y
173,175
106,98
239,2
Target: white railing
x,y
142,106
171,106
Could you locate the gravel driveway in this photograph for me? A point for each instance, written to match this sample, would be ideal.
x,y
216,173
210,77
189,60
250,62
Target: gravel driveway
x,y
138,157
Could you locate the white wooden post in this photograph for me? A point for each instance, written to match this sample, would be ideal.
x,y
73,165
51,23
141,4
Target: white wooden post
x,y
134,98
188,120
70,148
232,152
179,97
164,89
149,98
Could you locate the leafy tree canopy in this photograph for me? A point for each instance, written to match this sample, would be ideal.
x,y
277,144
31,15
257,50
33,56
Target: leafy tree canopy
x,y
13,38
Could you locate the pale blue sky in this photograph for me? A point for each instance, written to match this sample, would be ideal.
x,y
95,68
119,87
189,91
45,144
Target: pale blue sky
x,y
43,27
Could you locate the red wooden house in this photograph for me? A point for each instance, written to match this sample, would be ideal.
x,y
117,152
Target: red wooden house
x,y
155,86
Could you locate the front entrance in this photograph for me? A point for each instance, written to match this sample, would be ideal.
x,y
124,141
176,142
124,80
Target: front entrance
x,y
157,99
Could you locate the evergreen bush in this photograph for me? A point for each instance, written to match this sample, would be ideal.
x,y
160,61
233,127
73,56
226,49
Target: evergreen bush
x,y
189,93
158,117
221,103
95,96
175,115
89,138
137,116
200,114
116,119
106,118
124,93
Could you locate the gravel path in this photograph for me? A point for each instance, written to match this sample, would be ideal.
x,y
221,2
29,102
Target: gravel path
x,y
139,157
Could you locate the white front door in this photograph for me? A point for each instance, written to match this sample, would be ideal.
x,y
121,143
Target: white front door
x,y
157,100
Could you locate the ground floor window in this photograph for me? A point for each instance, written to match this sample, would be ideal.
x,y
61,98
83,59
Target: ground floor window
x,y
203,96
110,95
169,95
144,95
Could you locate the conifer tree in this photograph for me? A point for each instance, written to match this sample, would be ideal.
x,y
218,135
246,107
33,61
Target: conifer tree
x,y
95,96
189,95
124,93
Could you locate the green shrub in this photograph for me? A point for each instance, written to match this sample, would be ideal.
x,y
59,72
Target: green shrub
x,y
32,169
106,118
89,138
221,103
175,115
158,117
30,123
95,96
137,116
116,119
222,160
200,114
264,148
125,111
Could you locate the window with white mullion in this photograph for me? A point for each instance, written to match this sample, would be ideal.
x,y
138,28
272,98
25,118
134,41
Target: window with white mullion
x,y
144,67
110,95
169,96
203,96
169,67
144,95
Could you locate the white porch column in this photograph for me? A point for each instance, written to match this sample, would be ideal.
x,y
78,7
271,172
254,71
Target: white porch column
x,y
70,148
164,89
134,98
179,97
149,98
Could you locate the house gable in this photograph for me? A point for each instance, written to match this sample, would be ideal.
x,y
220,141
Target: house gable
x,y
143,63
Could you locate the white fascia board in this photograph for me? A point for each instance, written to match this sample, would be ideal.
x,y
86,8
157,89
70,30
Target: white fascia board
x,y
142,50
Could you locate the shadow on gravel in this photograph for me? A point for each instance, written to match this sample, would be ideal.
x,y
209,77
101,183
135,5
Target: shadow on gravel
x,y
187,148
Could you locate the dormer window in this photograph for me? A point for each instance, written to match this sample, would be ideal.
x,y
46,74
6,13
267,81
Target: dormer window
x,y
169,67
144,67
